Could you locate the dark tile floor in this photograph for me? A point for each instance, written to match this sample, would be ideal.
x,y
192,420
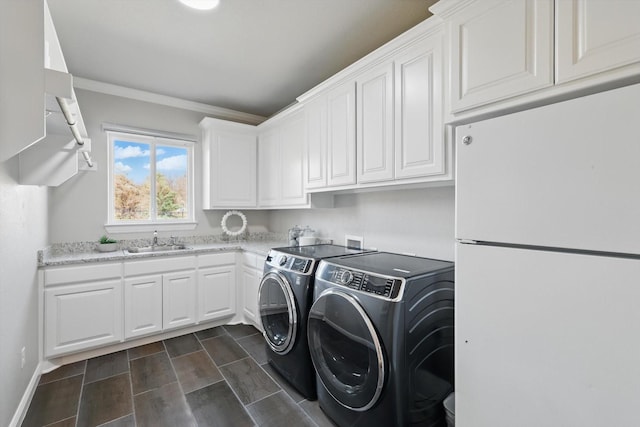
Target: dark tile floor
x,y
215,377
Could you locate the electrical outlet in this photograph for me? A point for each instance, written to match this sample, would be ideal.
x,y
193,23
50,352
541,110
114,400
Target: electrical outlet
x,y
23,360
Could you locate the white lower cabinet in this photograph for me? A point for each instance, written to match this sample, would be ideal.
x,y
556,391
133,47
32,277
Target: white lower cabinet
x,y
105,303
250,282
216,292
143,306
82,315
178,299
170,284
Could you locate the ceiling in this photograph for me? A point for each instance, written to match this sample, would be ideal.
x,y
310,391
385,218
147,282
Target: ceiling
x,y
253,56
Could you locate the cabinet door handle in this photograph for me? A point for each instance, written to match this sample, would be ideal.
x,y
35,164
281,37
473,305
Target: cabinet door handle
x,y
467,140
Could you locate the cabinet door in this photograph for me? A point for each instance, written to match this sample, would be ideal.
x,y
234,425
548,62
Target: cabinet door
x,y
83,316
595,36
375,124
216,292
316,143
419,135
488,65
292,161
178,299
142,305
269,168
341,137
250,284
22,115
229,169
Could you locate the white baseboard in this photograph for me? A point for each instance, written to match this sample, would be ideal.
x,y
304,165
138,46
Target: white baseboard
x,y
21,411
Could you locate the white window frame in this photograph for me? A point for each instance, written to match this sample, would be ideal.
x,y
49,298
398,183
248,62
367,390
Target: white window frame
x,y
120,226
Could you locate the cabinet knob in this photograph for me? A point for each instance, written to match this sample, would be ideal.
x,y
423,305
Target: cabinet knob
x,y
467,140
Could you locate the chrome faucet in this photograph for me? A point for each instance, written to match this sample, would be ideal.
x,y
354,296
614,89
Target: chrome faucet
x,y
155,238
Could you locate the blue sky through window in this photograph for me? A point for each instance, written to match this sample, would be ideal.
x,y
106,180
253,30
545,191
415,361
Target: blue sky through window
x,y
132,159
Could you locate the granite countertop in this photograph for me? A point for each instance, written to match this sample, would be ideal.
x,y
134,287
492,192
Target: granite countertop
x,y
86,252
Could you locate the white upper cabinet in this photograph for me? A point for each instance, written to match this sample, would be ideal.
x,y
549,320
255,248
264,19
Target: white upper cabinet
x,y
330,138
281,162
595,36
420,146
315,157
399,115
229,164
374,128
499,49
22,115
38,101
507,53
268,168
341,135
394,96
292,158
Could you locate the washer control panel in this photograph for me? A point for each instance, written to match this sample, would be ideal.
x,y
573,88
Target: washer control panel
x,y
387,287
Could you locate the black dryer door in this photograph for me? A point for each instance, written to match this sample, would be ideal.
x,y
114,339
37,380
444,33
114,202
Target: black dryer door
x,y
276,304
346,350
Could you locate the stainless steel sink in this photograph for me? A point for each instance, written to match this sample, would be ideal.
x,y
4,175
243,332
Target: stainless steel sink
x,y
158,248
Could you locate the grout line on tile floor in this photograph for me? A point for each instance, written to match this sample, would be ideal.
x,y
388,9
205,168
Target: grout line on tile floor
x,y
133,401
235,361
116,419
266,397
84,374
64,419
140,357
128,371
152,389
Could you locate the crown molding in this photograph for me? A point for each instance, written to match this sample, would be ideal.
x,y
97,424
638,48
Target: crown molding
x,y
141,95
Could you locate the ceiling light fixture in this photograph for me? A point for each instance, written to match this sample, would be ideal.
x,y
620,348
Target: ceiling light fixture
x,y
201,4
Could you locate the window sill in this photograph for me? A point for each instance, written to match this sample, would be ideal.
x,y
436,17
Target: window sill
x,y
139,228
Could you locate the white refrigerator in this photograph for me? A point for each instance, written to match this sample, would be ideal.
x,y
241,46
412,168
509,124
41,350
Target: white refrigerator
x,y
548,266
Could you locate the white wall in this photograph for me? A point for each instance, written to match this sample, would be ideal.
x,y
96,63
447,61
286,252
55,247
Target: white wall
x,y
23,231
78,207
420,221
414,221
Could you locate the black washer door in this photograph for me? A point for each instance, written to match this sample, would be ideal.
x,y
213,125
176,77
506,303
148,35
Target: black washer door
x,y
278,312
345,350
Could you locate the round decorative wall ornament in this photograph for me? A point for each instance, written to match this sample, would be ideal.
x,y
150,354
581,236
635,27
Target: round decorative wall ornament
x,y
226,216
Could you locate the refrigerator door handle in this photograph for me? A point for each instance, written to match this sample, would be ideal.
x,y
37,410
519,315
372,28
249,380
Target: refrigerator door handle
x,y
467,241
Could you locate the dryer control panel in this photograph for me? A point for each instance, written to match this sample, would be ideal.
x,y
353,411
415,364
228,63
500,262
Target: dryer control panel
x,y
388,287
288,262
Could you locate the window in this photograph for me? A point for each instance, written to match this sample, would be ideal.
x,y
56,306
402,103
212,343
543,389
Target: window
x,y
151,180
